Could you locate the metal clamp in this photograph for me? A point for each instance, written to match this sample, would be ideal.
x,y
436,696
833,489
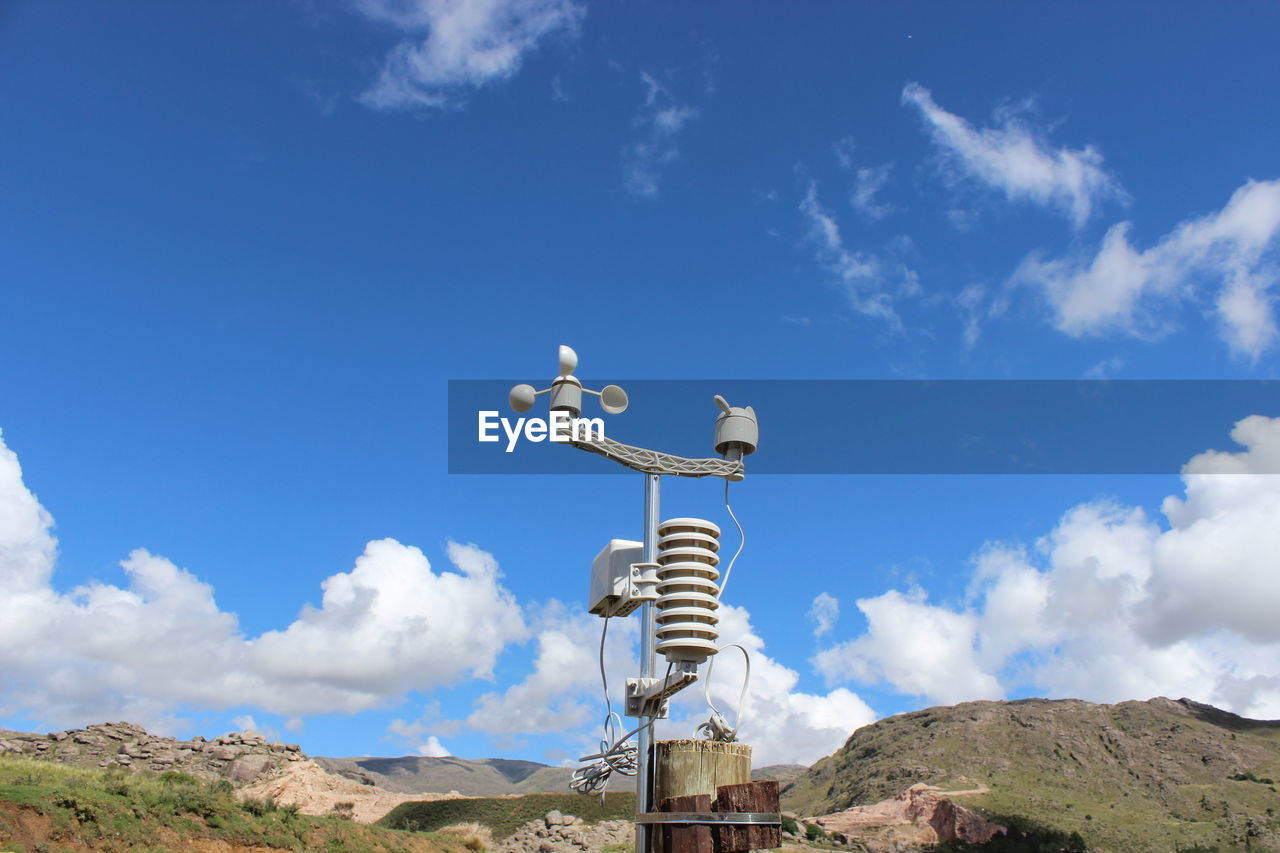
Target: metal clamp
x,y
716,818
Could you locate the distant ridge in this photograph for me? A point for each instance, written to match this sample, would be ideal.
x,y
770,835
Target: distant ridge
x,y
484,777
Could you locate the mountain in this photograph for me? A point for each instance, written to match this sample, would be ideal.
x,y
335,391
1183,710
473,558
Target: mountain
x,y
1136,776
485,777
489,777
783,774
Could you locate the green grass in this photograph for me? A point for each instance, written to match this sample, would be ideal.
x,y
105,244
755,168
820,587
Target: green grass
x,y
504,815
117,809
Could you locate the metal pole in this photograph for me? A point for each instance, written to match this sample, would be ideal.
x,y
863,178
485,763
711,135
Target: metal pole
x,y
644,781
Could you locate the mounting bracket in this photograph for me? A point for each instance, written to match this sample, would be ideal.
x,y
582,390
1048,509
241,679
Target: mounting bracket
x,y
647,697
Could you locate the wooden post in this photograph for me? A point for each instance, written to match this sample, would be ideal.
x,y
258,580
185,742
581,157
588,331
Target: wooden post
x,y
751,797
685,767
685,839
706,776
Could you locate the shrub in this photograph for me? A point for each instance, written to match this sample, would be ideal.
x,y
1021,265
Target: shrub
x,y
813,832
207,804
256,807
173,777
475,837
790,825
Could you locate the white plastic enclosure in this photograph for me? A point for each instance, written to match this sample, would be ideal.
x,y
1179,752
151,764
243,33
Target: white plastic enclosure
x,y
619,582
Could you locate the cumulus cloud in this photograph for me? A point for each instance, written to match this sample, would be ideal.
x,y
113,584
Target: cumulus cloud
x,y
1120,289
564,690
921,649
659,124
1218,564
388,626
1016,159
782,724
102,651
870,282
1110,605
433,748
562,693
381,627
246,723
458,45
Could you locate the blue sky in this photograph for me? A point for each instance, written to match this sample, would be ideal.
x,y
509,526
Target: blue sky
x,y
244,246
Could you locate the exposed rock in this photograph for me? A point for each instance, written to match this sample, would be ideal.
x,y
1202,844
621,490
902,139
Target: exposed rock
x,y
316,791
246,768
932,816
242,757
550,836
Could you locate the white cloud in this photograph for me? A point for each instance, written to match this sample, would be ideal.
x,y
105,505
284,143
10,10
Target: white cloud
x,y
247,723
136,652
823,613
1110,605
969,301
388,626
564,690
868,182
1217,567
869,282
1015,159
783,725
433,748
456,45
921,649
1123,290
1107,368
381,628
659,123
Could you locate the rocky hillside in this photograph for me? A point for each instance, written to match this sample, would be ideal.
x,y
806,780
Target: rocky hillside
x,y
1154,775
244,757
239,757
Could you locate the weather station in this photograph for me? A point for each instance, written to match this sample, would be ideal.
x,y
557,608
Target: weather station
x,y
694,794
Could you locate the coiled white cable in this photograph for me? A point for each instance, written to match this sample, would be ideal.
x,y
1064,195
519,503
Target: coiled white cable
x,y
619,756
